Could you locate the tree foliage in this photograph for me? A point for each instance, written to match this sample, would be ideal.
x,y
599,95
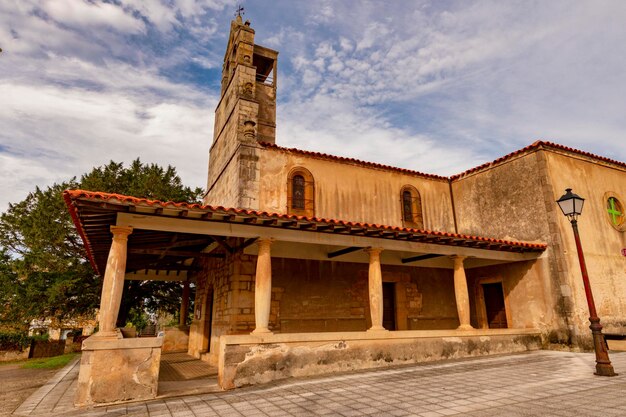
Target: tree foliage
x,y
44,269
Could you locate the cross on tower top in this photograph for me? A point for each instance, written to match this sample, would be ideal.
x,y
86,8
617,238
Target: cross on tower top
x,y
239,11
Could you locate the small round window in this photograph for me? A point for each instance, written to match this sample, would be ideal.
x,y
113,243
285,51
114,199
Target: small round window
x,y
615,211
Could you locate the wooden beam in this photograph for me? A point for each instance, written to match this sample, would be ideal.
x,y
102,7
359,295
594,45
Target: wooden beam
x,y
247,243
155,275
102,205
151,265
420,257
173,224
343,251
179,253
222,242
178,244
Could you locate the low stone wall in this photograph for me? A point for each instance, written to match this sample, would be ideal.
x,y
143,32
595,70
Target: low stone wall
x,y
113,370
13,355
248,360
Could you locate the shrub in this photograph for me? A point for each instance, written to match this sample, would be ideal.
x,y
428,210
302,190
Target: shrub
x,y
14,341
40,337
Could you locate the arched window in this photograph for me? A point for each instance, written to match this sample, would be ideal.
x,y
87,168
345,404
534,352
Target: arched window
x,y
300,193
297,200
411,204
407,206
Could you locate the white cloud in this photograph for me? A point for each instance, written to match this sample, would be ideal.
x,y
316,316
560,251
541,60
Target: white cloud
x,y
89,14
432,86
328,125
78,129
491,76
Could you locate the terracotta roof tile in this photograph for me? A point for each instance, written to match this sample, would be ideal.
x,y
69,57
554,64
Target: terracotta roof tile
x,y
366,164
535,146
71,195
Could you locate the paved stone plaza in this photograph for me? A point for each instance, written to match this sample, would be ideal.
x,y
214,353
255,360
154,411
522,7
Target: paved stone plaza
x,y
542,383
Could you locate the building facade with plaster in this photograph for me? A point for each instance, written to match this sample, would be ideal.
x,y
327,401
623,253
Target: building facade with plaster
x,y
306,263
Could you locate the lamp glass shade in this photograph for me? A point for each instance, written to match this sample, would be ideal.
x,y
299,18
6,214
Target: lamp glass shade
x,y
570,203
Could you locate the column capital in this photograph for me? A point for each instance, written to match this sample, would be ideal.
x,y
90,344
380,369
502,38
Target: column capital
x,y
121,231
458,259
264,245
265,241
373,251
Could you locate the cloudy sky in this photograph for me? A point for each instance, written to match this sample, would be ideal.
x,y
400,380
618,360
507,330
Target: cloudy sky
x,y
436,86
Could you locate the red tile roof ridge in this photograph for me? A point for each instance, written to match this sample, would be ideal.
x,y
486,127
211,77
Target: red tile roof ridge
x,y
70,195
534,146
351,160
538,144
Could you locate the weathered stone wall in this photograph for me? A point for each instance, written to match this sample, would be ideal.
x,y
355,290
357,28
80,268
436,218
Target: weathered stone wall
x,y
353,192
176,339
118,370
513,200
245,114
211,303
314,296
524,293
233,160
13,355
505,201
266,94
248,360
601,242
516,200
229,282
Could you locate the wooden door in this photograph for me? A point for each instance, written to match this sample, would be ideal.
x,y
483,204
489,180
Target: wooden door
x,y
389,306
208,322
494,305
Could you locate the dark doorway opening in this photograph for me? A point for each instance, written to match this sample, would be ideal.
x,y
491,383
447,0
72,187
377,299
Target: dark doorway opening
x,y
389,305
494,305
208,321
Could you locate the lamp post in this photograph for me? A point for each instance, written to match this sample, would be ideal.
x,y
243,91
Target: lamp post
x,y
572,205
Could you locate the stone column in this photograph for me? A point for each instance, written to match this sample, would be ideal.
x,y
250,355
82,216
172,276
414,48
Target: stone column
x,y
461,293
375,288
113,283
184,305
263,287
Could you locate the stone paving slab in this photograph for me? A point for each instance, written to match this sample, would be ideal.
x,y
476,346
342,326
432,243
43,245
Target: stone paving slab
x,y
50,398
179,366
540,383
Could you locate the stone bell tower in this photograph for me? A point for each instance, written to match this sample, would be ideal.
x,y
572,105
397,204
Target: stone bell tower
x,y
245,116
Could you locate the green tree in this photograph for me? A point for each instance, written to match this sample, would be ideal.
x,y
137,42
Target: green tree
x,y
44,269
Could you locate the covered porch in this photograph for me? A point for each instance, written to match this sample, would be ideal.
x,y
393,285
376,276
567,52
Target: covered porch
x,y
238,325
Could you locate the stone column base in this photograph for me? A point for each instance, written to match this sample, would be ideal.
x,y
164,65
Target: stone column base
x,y
114,370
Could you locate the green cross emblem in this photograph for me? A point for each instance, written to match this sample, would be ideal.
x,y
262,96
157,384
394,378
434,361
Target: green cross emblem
x,y
614,212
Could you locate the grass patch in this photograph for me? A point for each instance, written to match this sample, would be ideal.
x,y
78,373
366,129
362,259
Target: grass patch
x,y
49,363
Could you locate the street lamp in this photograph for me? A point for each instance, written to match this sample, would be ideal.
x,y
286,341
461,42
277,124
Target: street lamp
x,y
572,205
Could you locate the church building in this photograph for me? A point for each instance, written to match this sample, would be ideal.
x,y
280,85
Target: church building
x,y
306,263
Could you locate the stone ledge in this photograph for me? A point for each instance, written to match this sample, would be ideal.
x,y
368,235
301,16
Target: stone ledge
x,y
94,343
389,335
249,360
